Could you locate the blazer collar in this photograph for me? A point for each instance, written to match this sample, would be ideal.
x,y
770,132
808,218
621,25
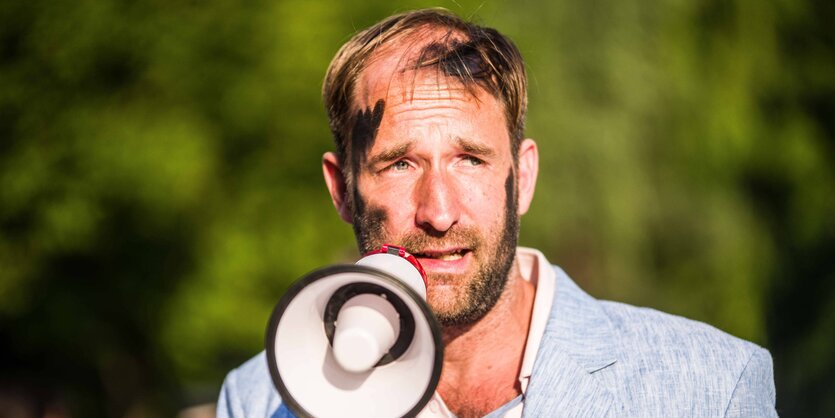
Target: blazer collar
x,y
580,327
578,345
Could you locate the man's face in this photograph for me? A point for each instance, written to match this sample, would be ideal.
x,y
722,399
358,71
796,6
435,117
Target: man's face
x,y
434,173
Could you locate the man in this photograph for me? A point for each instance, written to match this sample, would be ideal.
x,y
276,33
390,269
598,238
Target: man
x,y
427,112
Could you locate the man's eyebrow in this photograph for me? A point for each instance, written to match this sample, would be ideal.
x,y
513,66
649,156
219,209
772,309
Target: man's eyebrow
x,y
394,153
472,147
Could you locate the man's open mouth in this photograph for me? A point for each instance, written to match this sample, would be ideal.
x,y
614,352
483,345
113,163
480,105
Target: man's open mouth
x,y
449,255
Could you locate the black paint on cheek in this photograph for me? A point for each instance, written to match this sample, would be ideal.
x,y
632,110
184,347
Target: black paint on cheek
x,y
364,132
369,230
357,204
368,223
511,200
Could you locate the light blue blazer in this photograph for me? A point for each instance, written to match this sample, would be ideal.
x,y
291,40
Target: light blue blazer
x,y
599,359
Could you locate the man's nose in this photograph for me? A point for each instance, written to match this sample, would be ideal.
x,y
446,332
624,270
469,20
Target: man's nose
x,y
438,202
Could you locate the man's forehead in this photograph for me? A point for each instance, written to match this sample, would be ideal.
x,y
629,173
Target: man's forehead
x,y
410,87
391,71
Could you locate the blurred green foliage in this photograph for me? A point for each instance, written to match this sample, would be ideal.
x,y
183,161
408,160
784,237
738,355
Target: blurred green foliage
x,y
160,183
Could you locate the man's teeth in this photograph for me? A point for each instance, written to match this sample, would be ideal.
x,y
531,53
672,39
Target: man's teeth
x,y
451,257
445,257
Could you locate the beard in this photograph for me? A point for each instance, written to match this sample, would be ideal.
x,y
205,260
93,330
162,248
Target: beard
x,y
493,255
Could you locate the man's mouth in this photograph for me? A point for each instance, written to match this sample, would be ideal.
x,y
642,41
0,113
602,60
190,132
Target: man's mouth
x,y
446,255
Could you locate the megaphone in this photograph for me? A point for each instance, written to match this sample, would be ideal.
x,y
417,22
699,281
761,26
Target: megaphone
x,y
356,340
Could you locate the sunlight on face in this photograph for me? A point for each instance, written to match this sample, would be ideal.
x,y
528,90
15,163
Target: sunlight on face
x,y
434,173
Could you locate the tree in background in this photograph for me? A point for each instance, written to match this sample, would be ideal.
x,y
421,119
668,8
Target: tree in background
x,y
160,183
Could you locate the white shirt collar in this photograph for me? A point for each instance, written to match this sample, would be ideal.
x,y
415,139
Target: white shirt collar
x,y
536,269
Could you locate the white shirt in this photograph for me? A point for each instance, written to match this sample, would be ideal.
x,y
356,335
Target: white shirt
x,y
537,270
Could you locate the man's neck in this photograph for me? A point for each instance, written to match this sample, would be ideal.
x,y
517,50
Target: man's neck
x,y
482,360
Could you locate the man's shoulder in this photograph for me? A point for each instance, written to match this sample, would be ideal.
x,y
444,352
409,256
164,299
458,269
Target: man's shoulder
x,y
644,329
655,363
648,332
659,343
254,368
248,391
690,364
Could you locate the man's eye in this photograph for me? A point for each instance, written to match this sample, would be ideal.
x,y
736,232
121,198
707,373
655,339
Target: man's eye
x,y
473,161
400,166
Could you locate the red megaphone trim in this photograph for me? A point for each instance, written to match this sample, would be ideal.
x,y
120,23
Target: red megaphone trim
x,y
400,251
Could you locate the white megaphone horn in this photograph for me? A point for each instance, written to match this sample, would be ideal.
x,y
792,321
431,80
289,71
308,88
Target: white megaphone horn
x,y
357,340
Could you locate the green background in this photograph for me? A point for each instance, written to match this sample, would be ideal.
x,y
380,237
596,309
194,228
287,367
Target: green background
x,y
160,180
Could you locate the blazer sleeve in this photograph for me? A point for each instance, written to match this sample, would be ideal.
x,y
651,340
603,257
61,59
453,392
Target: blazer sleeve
x,y
754,394
229,405
241,398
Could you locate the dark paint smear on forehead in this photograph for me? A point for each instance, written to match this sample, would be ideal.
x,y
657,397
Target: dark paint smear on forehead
x,y
461,60
464,61
364,132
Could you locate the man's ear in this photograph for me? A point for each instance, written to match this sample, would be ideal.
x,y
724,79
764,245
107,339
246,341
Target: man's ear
x,y
528,170
336,185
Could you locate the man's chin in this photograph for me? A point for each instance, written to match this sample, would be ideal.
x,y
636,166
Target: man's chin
x,y
451,305
444,298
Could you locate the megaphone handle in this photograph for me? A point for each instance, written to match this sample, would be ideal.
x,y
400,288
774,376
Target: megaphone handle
x,y
407,321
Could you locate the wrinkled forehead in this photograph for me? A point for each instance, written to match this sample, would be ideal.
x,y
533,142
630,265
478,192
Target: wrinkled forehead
x,y
418,62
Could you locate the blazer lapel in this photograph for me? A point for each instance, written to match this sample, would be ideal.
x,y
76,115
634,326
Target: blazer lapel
x,y
559,387
570,376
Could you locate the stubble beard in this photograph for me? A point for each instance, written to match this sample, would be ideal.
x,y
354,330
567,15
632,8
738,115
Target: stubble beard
x,y
494,256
